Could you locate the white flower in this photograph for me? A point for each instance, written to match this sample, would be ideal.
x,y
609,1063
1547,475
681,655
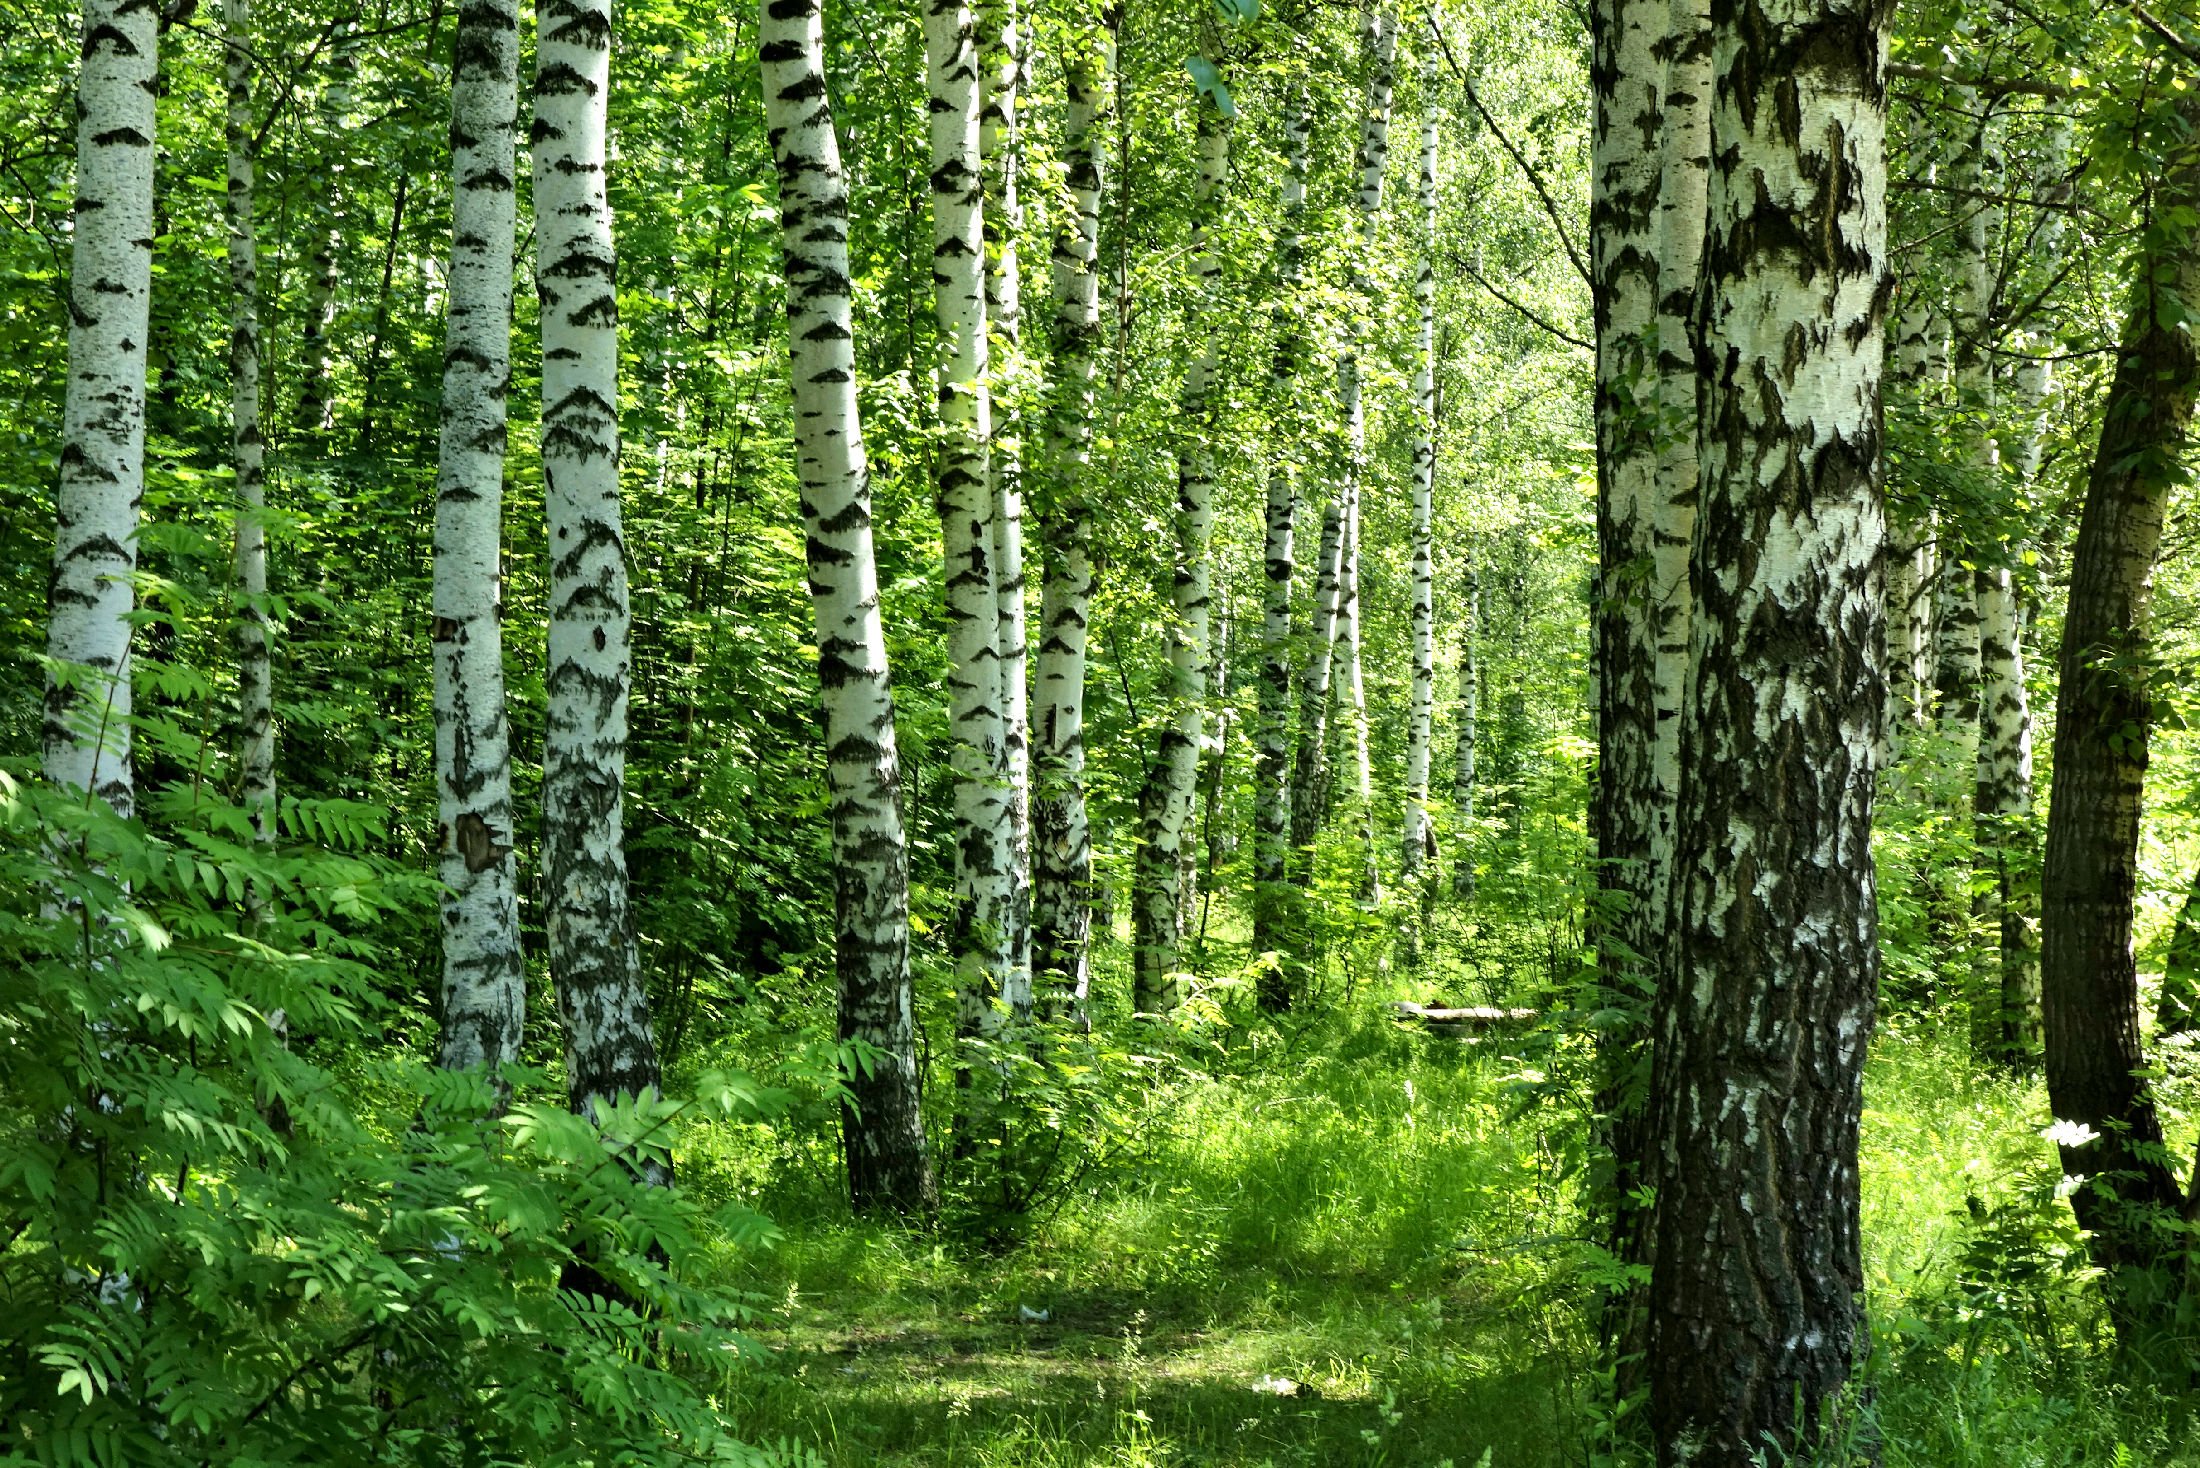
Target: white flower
x,y
2070,1134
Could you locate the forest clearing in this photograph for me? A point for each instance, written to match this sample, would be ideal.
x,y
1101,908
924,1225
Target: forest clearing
x,y
1030,733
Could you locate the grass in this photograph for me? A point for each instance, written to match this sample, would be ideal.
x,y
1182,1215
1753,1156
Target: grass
x,y
1392,1230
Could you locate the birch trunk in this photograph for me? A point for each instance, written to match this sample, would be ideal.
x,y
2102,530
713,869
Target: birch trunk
x,y
1272,787
1061,839
1310,775
1419,836
1162,897
1463,752
316,403
1380,42
2096,1065
484,984
1756,1321
609,1051
883,1127
2009,991
984,815
248,634
1001,44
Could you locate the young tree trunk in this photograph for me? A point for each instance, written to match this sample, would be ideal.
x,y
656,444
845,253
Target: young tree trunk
x,y
1161,898
87,713
248,634
1310,773
484,984
2089,982
984,815
1418,839
609,1051
888,1167
2007,904
316,402
1463,752
1001,45
1756,1319
1380,43
1272,891
1061,839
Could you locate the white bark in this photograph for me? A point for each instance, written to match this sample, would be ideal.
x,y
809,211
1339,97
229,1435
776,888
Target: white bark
x,y
1163,896
248,634
609,1052
1272,736
1419,835
1061,837
984,817
884,1129
87,713
484,987
1002,44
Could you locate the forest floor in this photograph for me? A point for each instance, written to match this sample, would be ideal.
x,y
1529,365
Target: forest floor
x,y
1372,1256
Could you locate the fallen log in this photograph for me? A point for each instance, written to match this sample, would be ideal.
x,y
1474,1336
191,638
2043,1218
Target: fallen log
x,y
1468,1020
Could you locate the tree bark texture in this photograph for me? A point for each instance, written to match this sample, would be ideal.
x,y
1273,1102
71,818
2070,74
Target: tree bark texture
x,y
2089,980
484,984
1061,837
86,732
881,1123
1756,1311
248,553
594,965
1162,896
1418,838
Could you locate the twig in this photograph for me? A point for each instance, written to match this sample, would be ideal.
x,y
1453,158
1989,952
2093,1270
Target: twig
x,y
1994,85
1550,207
1482,281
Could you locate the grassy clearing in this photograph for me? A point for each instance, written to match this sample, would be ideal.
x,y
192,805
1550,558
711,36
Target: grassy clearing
x,y
1386,1228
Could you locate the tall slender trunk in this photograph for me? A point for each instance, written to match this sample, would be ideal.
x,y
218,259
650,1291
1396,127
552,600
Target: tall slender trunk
x,y
984,817
1630,795
1272,787
1756,1319
1061,839
609,1052
1310,774
2089,982
1002,43
2008,991
888,1167
1380,44
1161,897
1463,751
1418,839
484,983
316,400
248,633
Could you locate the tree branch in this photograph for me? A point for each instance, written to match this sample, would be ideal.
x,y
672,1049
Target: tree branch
x,y
1482,281
1535,181
1991,84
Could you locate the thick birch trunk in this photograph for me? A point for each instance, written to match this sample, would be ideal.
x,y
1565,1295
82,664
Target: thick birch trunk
x,y
1756,1320
1001,60
1272,892
1161,898
248,634
1418,839
2096,1065
484,984
984,814
1463,751
609,1051
888,1166
87,713
1061,839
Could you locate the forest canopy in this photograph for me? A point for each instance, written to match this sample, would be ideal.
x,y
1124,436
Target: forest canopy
x,y
1038,732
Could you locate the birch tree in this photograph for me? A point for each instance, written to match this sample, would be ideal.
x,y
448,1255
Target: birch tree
x,y
1756,1321
881,1123
1161,896
1002,43
1061,839
248,633
484,982
1419,836
984,816
1272,785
